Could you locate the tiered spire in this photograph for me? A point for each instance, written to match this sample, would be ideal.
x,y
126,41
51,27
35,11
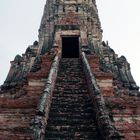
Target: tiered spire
x,y
65,15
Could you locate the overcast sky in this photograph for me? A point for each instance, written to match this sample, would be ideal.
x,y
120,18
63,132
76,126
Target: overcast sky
x,y
20,20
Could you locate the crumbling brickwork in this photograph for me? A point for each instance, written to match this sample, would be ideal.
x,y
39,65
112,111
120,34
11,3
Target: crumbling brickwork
x,y
96,93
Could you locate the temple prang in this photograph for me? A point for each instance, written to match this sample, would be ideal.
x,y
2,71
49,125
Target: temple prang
x,y
70,84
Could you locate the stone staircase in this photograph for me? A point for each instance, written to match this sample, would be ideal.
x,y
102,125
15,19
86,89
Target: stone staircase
x,y
71,115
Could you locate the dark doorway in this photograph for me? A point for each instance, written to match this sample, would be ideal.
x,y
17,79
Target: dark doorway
x,y
70,47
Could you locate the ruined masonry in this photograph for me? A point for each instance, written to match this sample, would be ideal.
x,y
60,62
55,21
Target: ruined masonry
x,y
70,85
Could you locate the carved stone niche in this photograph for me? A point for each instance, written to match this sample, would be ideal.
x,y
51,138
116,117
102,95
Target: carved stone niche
x,y
67,27
84,40
70,18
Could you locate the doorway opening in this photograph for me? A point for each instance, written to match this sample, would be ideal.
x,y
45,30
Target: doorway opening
x,y
70,47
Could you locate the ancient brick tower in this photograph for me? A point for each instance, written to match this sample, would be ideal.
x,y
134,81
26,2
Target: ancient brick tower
x,y
70,85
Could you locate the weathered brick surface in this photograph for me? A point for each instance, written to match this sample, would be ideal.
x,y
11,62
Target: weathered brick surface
x,y
104,80
69,19
12,135
124,109
44,68
125,112
16,114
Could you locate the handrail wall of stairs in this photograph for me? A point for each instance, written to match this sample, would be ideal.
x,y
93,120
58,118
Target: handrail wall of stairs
x,y
39,123
105,126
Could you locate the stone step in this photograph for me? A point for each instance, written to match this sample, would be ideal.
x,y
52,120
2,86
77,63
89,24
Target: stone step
x,y
70,87
71,115
70,98
72,102
71,110
78,96
69,107
71,92
72,121
80,128
73,135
